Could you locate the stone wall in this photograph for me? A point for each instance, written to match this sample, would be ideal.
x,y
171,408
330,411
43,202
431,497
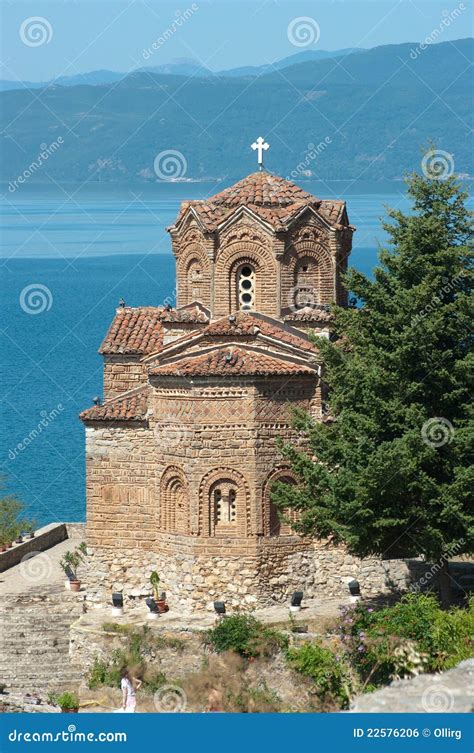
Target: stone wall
x,y
180,651
194,579
44,538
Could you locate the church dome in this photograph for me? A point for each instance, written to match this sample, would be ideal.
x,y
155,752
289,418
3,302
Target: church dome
x,y
275,200
262,189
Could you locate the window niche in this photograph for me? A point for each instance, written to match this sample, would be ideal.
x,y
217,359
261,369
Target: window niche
x,y
246,288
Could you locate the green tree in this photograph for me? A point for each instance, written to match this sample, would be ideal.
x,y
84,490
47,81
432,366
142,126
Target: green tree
x,y
389,474
12,521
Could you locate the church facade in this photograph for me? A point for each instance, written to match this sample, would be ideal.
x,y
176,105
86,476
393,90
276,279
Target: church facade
x,y
182,454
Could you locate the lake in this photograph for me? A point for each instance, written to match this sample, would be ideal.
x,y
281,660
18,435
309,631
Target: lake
x,y
81,251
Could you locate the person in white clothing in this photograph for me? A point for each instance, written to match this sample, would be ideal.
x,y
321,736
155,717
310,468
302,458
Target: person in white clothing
x,y
129,686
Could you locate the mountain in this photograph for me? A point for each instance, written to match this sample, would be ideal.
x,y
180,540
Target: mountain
x,y
176,67
93,78
366,119
305,56
180,67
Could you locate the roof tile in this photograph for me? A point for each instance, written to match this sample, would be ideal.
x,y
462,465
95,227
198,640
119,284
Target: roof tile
x,y
231,361
140,330
132,406
271,197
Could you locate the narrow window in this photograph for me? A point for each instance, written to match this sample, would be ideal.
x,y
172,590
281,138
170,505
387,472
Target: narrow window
x,y
246,288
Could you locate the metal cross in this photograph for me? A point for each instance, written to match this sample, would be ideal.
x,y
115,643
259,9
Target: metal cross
x,y
260,144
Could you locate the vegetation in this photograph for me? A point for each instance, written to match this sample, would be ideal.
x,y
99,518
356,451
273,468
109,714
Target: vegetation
x,y
331,675
140,651
406,639
394,469
72,560
12,520
65,700
246,636
155,584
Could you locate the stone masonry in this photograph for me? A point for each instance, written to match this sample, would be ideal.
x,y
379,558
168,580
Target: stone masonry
x,y
182,455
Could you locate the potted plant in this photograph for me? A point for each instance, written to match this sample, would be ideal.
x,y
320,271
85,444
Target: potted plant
x,y
160,599
68,702
69,563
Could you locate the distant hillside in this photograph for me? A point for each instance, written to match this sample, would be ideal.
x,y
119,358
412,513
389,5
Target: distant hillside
x,y
305,56
176,67
371,116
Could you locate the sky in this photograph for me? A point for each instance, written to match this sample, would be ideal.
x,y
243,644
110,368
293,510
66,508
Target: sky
x,y
77,36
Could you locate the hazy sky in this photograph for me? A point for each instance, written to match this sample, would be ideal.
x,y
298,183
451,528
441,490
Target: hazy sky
x,y
85,35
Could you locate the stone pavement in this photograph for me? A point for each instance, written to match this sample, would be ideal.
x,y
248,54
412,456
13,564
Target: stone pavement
x,y
36,612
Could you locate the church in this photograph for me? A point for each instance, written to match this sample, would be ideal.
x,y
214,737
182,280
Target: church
x,y
182,452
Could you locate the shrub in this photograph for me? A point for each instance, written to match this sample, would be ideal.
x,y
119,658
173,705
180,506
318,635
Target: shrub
x,y
103,673
329,672
246,636
65,700
139,651
412,636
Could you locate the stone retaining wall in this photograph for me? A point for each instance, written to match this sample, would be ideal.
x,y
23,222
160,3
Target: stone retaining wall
x,y
179,652
194,581
44,538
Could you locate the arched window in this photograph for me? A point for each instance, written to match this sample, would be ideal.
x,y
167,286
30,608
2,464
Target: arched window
x,y
195,280
174,502
224,505
246,288
274,525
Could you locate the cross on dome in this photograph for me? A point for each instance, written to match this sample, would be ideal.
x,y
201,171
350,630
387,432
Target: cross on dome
x,y
260,145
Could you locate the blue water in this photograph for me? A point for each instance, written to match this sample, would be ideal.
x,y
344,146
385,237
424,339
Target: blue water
x,y
88,250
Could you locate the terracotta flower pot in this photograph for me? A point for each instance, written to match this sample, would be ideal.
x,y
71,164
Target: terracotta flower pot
x,y
75,585
161,606
70,711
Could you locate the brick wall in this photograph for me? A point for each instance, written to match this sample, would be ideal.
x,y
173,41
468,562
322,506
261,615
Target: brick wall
x,y
122,373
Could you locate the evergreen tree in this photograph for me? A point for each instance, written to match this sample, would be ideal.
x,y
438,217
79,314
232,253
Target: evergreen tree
x,y
390,474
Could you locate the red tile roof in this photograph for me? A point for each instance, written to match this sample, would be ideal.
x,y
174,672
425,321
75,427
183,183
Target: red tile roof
x,y
246,325
272,198
132,406
140,330
231,361
252,323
